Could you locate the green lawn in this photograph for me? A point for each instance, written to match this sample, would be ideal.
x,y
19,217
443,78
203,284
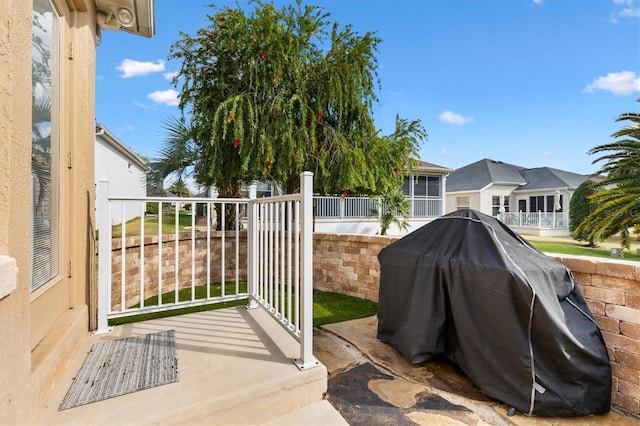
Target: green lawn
x,y
567,245
151,224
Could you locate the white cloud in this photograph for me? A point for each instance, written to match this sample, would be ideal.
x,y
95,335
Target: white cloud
x,y
169,75
549,153
626,9
630,12
454,118
168,97
537,1
446,151
618,83
131,68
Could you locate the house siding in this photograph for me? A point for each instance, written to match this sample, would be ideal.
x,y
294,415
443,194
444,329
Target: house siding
x,y
126,178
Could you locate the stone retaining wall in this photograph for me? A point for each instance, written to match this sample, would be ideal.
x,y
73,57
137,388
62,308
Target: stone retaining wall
x,y
184,276
348,264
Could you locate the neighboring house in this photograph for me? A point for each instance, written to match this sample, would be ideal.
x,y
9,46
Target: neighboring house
x,y
47,247
425,187
532,201
124,169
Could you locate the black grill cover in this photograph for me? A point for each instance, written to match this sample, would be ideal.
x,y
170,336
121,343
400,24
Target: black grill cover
x,y
467,287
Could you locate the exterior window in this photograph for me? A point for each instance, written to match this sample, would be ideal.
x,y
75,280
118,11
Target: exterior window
x,y
462,203
536,204
549,206
495,205
44,146
544,203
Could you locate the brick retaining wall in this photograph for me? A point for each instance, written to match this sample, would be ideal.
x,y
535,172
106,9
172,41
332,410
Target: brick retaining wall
x,y
348,264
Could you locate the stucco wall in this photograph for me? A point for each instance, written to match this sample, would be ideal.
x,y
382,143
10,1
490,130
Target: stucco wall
x,y
38,338
15,156
348,264
474,200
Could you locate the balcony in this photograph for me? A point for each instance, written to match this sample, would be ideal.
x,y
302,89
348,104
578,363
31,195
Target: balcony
x,y
537,223
361,215
239,365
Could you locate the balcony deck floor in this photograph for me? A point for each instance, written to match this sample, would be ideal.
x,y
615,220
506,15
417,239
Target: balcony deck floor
x,y
235,367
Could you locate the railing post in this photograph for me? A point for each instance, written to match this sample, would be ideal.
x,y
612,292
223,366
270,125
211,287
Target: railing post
x,y
252,247
306,359
104,256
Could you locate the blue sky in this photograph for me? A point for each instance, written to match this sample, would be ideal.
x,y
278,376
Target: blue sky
x,y
529,82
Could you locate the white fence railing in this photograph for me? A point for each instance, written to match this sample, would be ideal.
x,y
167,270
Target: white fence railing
x,y
328,207
535,219
281,281
261,251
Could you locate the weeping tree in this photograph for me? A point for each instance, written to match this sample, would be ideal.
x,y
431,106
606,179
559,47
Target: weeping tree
x,y
269,93
617,196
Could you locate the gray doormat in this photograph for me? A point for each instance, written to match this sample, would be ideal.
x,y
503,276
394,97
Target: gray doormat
x,y
124,366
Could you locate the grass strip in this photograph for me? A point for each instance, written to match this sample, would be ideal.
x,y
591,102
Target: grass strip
x,y
328,307
578,250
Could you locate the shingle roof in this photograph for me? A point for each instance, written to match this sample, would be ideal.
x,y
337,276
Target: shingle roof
x,y
423,165
478,175
546,178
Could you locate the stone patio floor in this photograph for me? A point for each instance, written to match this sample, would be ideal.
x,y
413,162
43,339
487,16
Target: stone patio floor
x,y
370,383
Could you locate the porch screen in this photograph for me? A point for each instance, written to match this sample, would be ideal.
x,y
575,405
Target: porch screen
x,y
44,145
426,186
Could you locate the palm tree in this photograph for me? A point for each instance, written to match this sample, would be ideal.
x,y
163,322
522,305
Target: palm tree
x,y
617,197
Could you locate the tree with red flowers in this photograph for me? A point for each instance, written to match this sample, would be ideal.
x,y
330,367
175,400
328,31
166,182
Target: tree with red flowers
x,y
272,92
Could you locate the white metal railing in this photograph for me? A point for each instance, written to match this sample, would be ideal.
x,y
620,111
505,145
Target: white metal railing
x,y
334,207
281,237
535,219
270,264
158,271
427,207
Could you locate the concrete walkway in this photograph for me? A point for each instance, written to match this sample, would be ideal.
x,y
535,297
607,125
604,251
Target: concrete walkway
x,y
370,383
